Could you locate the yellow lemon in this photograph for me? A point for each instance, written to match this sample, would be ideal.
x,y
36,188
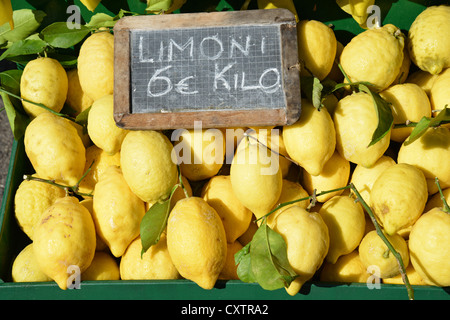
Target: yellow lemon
x,y
413,277
334,175
307,240
55,149
32,198
218,193
64,237
316,48
346,224
440,91
404,68
117,211
102,267
336,73
429,245
436,200
357,9
44,81
88,203
311,140
155,263
374,55
76,98
348,268
196,241
102,128
247,236
146,162
363,178
423,79
256,178
426,153
25,267
374,253
398,196
97,160
355,120
96,65
428,44
229,271
201,153
408,102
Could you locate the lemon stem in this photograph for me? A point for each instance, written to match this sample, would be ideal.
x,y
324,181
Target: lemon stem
x,y
446,208
180,182
380,233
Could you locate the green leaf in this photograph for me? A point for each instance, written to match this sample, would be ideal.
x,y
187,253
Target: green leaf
x,y
158,5
26,21
59,35
269,263
312,88
384,114
244,266
24,47
426,122
100,20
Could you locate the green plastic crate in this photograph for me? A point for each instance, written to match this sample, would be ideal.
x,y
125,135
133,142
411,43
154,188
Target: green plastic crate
x,y
13,240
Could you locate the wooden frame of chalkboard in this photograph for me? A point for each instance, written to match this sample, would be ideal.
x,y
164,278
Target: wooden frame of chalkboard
x,y
134,76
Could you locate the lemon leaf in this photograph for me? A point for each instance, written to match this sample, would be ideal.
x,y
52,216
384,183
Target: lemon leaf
x,y
312,88
244,266
24,47
384,113
59,35
426,122
26,21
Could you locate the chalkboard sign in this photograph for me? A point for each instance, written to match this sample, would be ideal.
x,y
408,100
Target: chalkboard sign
x,y
225,69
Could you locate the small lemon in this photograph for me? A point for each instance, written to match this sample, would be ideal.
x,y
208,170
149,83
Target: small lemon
x,y
102,267
311,140
316,48
413,277
102,128
146,162
346,224
76,98
355,120
426,153
65,236
428,44
348,268
398,196
229,271
373,252
203,153
335,174
357,9
55,149
97,160
218,193
25,267
408,102
44,81
290,191
155,263
436,200
96,65
32,198
100,245
440,91
423,79
404,68
307,239
117,211
429,245
256,178
374,55
363,178
196,241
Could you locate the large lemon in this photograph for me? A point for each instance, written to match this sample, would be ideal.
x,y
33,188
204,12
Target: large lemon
x,y
346,224
55,149
196,241
25,267
429,45
103,267
398,196
316,48
102,127
64,237
146,162
311,140
307,239
429,245
423,79
44,81
355,120
218,193
348,268
440,91
96,65
76,98
255,178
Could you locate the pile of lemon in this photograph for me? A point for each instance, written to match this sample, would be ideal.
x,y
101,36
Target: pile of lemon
x,y
326,149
